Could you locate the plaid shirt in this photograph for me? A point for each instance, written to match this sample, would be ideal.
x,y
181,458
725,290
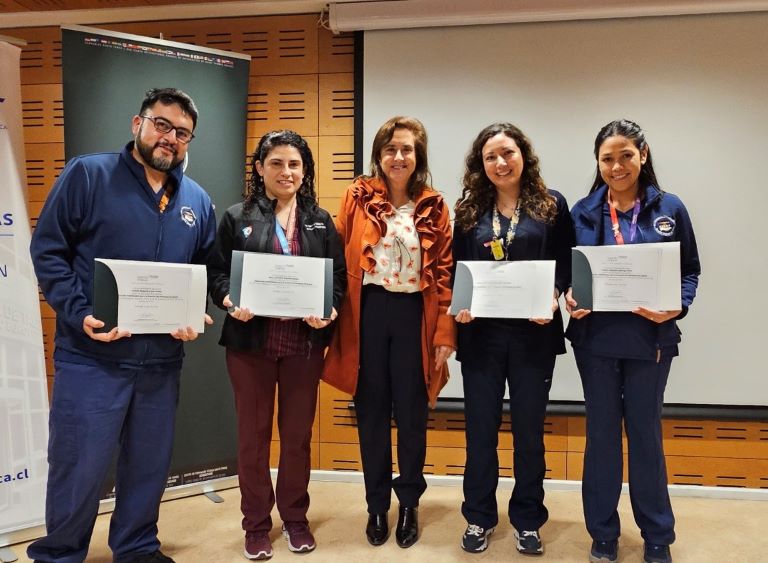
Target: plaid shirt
x,y
287,338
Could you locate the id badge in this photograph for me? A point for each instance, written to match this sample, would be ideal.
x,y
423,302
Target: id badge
x,y
497,249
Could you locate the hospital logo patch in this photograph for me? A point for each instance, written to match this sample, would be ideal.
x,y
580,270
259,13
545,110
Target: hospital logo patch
x,y
665,226
247,231
188,216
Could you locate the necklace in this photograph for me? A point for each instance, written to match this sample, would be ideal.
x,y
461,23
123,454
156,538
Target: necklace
x,y
499,249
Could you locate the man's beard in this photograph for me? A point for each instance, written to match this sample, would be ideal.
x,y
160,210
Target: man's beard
x,y
159,163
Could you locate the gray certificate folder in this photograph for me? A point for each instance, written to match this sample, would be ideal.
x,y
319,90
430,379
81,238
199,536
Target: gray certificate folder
x,y
462,289
105,296
236,280
581,280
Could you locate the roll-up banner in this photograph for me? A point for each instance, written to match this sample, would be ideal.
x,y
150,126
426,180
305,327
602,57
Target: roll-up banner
x,y
23,389
105,76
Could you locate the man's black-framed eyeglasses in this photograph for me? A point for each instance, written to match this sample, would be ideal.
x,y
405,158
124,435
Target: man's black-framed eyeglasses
x,y
162,125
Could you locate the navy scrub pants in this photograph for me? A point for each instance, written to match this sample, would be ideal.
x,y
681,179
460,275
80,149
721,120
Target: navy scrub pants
x,y
632,390
485,373
95,409
391,382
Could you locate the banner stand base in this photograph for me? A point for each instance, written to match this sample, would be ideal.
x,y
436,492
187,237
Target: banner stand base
x,y
7,555
213,496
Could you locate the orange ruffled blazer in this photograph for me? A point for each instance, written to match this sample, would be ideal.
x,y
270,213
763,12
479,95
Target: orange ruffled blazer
x,y
360,225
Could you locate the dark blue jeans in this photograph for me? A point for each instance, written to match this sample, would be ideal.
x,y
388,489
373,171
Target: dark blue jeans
x,y
632,391
94,411
485,374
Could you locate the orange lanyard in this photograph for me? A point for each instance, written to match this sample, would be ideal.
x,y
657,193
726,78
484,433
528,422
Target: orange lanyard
x,y
166,197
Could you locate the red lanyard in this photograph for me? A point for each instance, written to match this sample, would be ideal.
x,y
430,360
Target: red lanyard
x,y
615,221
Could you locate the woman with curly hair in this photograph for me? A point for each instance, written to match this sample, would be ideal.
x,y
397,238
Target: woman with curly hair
x,y
394,333
507,213
279,215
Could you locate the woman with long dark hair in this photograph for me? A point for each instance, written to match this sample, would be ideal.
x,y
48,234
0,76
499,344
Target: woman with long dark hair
x,y
506,212
394,333
624,358
279,215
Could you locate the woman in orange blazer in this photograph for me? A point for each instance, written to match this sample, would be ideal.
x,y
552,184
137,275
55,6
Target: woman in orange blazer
x,y
394,333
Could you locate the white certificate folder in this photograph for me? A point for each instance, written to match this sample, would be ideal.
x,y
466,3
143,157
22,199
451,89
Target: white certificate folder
x,y
278,285
623,277
149,297
521,289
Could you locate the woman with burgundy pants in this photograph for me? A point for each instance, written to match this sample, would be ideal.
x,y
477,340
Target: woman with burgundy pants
x,y
279,215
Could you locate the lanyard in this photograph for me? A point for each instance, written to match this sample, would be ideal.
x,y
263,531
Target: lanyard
x,y
615,221
285,241
496,246
284,244
166,197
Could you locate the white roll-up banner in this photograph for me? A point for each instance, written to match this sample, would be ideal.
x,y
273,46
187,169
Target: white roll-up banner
x,y
23,390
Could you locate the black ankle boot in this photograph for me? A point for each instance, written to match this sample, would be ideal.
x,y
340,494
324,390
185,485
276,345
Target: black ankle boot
x,y
407,532
377,529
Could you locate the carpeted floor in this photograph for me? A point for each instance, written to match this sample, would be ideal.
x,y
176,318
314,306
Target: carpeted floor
x,y
196,530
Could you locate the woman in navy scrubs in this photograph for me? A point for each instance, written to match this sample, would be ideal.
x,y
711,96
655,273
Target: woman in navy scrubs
x,y
624,357
507,213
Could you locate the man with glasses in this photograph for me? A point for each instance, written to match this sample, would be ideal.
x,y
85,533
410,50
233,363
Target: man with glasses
x,y
113,390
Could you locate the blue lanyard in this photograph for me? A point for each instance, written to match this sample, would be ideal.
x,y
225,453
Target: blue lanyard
x,y
281,237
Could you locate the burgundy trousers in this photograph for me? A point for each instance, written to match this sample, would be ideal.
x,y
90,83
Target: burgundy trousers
x,y
255,377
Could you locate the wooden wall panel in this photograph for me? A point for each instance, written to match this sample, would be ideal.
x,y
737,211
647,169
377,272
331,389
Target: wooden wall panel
x,y
337,421
697,470
439,461
336,166
337,104
277,44
33,210
282,102
42,109
716,439
41,56
339,457
718,472
44,164
696,438
336,53
330,204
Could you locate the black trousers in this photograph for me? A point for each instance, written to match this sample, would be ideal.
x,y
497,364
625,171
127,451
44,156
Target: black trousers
x,y
391,381
486,371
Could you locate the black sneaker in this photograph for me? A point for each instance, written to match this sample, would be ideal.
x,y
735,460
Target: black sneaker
x,y
604,551
475,538
655,553
529,542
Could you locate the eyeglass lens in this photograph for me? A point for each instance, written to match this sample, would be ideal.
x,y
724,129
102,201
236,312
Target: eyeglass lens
x,y
165,126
